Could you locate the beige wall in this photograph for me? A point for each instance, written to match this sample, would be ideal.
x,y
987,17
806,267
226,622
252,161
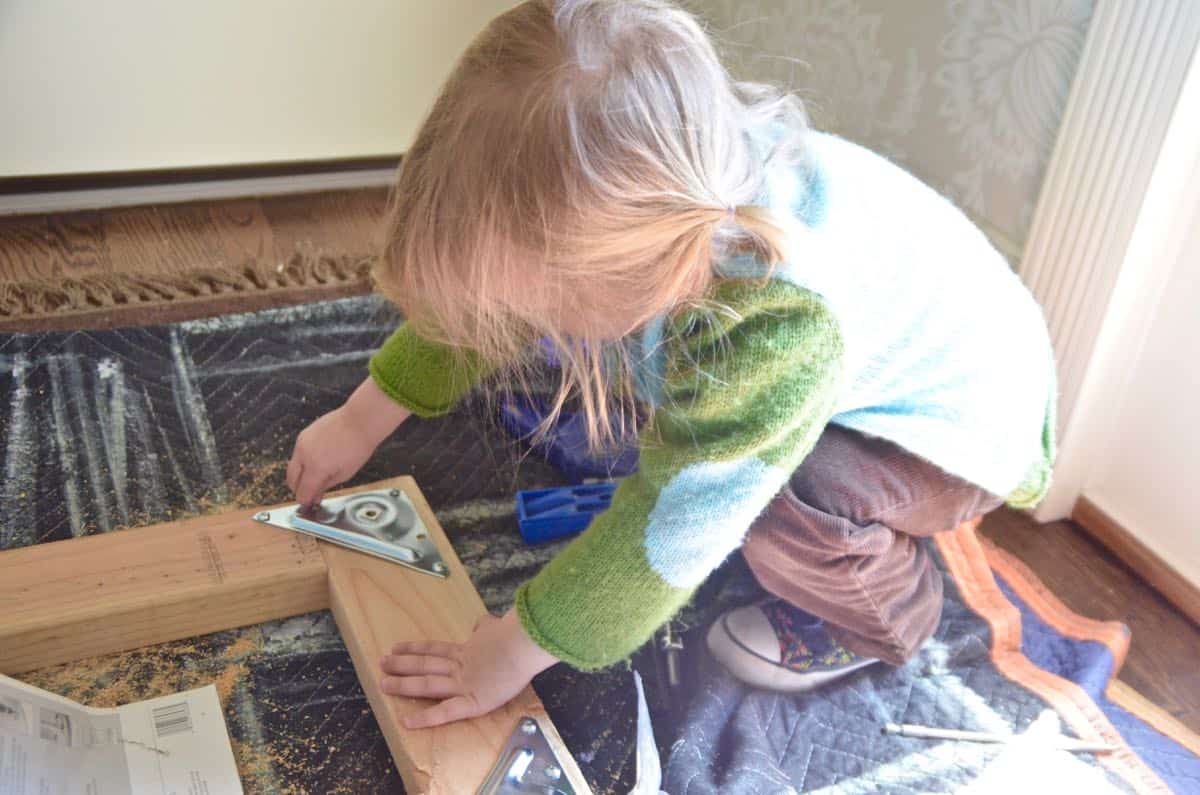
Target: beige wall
x,y
967,94
143,84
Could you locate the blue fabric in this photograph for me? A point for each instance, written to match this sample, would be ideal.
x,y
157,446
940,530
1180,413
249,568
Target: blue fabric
x,y
734,740
1090,665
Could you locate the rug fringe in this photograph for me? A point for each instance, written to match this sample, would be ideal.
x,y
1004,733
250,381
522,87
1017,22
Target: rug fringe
x,y
305,268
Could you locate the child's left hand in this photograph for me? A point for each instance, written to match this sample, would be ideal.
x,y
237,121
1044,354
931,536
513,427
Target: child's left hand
x,y
469,680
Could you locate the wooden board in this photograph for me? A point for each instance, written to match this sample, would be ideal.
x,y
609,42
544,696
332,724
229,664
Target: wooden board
x,y
67,600
100,594
377,604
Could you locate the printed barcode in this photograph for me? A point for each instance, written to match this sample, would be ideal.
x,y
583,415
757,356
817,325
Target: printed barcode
x,y
172,719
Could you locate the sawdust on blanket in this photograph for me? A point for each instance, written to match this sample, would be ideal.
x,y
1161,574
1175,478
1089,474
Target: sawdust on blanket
x,y
222,659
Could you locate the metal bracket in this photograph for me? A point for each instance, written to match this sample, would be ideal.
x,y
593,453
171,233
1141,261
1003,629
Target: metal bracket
x,y
527,764
380,523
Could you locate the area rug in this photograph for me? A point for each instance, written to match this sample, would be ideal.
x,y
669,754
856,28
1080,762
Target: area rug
x,y
114,300
994,665
104,429
1088,654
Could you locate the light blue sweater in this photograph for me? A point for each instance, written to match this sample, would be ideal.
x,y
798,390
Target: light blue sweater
x,y
946,351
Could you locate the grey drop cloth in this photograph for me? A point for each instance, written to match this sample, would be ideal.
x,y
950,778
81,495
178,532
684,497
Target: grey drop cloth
x,y
108,429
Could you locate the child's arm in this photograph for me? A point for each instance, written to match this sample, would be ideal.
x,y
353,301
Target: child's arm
x,y
408,375
334,447
745,397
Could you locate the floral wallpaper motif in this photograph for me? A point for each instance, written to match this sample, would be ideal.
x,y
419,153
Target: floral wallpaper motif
x,y
966,94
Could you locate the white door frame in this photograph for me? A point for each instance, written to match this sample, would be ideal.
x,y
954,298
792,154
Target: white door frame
x,y
1113,208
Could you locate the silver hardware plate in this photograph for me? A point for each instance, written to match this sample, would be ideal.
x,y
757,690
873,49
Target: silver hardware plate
x,y
527,764
380,523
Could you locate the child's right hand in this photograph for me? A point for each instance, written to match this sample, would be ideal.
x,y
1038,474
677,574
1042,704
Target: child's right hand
x,y
334,447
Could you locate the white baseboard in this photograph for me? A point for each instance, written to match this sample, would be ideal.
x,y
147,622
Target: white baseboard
x,y
172,193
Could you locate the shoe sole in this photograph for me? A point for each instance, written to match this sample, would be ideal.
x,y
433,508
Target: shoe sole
x,y
763,674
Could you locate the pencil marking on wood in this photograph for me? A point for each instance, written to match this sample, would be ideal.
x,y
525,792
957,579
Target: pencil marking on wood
x,y
212,558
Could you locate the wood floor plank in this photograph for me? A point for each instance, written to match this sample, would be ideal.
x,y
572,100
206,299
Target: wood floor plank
x,y
1159,573
1091,581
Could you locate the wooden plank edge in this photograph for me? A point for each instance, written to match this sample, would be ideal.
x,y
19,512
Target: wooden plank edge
x,y
1160,574
186,613
112,592
423,777
532,702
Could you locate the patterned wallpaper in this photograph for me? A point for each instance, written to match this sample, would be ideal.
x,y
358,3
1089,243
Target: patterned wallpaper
x,y
966,94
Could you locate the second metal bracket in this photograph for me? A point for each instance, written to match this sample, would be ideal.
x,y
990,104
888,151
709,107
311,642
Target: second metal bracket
x,y
527,764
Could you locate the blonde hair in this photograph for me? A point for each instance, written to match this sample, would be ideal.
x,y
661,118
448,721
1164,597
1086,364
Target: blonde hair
x,y
586,165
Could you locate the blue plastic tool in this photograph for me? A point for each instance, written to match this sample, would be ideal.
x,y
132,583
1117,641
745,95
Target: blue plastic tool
x,y
549,514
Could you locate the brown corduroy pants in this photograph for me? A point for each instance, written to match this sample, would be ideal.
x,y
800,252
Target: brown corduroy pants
x,y
843,541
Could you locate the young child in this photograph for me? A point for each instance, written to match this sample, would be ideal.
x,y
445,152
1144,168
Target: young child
x,y
831,361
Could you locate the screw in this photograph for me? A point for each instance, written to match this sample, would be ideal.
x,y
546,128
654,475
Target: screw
x,y
394,492
553,773
262,516
528,726
439,567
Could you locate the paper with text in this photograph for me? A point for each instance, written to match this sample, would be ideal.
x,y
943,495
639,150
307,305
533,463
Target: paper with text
x,y
172,745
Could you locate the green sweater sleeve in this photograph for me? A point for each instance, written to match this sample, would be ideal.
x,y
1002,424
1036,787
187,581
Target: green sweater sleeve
x,y
745,396
426,378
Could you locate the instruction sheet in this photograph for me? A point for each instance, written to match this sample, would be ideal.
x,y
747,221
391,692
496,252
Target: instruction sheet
x,y
173,745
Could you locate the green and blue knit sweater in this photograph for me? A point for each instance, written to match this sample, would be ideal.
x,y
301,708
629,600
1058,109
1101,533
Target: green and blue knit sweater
x,y
896,318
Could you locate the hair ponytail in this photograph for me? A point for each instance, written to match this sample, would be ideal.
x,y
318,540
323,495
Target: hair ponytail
x,y
762,236
563,188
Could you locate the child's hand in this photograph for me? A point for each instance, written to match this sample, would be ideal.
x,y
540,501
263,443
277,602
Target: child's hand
x,y
337,444
469,680
327,453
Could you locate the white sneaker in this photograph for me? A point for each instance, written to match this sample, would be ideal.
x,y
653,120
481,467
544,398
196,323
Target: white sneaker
x,y
775,646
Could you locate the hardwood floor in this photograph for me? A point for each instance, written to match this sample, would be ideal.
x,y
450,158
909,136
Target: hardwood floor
x,y
179,237
1163,658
